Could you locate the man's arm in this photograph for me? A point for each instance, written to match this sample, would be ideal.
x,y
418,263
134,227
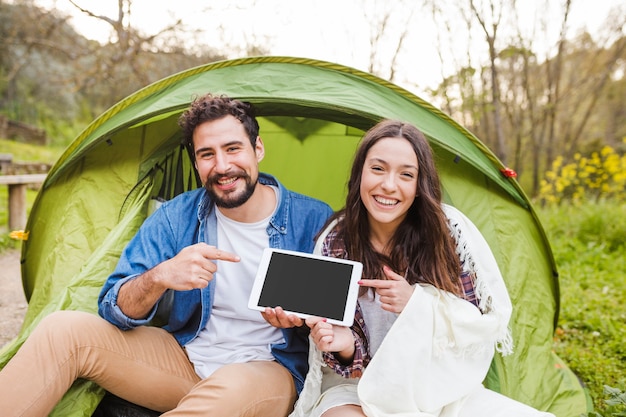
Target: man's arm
x,y
192,267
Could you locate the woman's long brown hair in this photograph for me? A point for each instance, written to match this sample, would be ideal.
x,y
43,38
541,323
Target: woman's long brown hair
x,y
422,247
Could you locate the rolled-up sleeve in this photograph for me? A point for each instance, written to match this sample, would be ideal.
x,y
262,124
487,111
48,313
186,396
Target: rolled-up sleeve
x,y
111,312
352,370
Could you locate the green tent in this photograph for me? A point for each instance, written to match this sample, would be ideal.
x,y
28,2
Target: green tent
x,y
312,115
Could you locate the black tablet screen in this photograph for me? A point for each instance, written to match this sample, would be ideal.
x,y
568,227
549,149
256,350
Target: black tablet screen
x,y
306,285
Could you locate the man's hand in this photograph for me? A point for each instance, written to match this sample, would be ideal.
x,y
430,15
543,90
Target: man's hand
x,y
394,292
278,318
192,267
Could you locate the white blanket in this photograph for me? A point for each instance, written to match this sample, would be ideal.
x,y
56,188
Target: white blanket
x,y
434,358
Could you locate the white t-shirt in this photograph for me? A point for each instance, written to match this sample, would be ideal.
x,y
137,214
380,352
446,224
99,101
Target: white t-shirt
x,y
235,333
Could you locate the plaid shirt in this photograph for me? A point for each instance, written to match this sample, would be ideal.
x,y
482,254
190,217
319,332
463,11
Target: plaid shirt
x,y
362,356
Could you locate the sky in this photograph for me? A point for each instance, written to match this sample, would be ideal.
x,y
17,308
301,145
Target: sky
x,y
330,30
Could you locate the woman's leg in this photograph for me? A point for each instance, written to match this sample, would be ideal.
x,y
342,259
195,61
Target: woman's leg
x,y
253,389
349,410
144,365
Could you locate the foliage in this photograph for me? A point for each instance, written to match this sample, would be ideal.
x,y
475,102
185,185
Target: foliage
x,y
616,403
60,132
5,241
534,102
602,175
54,78
551,95
588,242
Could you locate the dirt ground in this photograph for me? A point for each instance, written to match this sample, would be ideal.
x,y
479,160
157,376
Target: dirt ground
x,y
12,301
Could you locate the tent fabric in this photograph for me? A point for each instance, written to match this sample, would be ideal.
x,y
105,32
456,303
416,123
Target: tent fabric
x,y
312,115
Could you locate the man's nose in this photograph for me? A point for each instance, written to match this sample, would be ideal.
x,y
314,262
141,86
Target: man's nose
x,y
222,162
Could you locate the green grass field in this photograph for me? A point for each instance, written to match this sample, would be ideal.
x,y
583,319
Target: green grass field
x,y
589,242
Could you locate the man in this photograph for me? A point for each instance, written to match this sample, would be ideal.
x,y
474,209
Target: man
x,y
199,251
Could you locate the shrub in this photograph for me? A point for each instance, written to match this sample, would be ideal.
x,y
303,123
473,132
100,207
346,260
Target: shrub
x,y
599,176
615,404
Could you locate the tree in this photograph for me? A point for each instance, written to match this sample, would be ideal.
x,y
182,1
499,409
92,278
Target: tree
x,y
52,76
483,111
390,24
489,18
591,76
562,99
130,59
33,42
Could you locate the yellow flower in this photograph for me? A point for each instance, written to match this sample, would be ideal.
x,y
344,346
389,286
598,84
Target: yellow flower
x,y
19,235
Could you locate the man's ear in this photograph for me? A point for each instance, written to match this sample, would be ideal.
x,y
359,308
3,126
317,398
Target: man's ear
x,y
259,149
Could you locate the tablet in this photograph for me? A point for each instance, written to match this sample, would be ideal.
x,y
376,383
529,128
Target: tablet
x,y
307,285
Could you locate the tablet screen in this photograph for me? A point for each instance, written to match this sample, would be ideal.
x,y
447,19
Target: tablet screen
x,y
308,285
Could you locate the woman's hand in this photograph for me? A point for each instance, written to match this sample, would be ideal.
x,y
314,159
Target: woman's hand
x,y
394,292
330,338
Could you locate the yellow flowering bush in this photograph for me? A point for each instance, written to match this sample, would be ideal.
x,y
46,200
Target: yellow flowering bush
x,y
599,176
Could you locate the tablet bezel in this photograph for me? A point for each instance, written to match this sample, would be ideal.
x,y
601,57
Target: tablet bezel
x,y
351,297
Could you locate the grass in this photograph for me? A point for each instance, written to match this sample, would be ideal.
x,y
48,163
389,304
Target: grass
x,y
588,242
23,152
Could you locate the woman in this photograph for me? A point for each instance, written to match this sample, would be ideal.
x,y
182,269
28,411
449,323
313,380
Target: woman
x,y
433,307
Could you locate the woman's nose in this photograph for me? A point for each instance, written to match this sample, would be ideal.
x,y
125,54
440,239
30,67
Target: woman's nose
x,y
389,182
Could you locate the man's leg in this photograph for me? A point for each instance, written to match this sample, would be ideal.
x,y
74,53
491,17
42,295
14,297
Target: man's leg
x,y
253,389
144,365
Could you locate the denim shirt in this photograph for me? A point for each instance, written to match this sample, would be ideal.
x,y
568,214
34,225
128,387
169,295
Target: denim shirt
x,y
188,219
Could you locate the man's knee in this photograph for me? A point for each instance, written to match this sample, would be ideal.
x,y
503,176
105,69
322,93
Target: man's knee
x,y
66,326
253,377
252,389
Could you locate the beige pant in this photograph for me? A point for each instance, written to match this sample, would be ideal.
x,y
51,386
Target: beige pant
x,y
145,366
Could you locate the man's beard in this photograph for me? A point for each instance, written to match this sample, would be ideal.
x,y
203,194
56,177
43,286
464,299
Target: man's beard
x,y
231,198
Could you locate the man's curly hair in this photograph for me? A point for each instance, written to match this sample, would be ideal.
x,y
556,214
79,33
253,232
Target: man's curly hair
x,y
211,107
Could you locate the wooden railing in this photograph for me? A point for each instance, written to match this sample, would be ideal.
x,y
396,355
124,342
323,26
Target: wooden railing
x,y
17,196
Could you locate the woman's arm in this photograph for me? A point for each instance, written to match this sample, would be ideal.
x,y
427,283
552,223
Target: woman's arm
x,y
351,366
